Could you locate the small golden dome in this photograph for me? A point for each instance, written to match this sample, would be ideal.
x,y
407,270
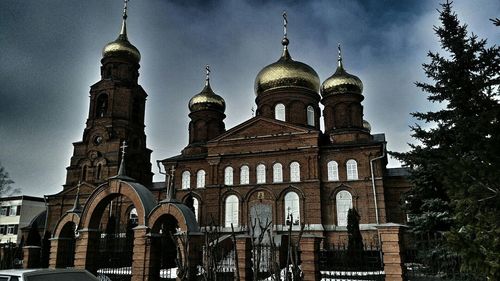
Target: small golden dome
x,y
367,126
121,47
286,73
207,99
341,82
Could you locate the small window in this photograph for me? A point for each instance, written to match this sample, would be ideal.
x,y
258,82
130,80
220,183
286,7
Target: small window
x,y
98,172
200,179
3,229
232,211
333,171
245,175
279,112
261,173
13,210
292,208
102,105
352,169
310,116
277,172
4,211
344,203
196,205
228,176
133,217
186,179
12,229
294,172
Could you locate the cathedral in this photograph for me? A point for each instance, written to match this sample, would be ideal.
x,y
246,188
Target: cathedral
x,y
285,165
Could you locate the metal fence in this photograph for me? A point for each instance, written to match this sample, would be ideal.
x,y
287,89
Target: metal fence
x,y
426,259
340,263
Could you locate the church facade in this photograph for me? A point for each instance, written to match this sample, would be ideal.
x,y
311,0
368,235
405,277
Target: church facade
x,y
279,166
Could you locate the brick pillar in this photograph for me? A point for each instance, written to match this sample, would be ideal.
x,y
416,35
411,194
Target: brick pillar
x,y
54,244
141,267
309,248
32,256
86,252
392,246
244,252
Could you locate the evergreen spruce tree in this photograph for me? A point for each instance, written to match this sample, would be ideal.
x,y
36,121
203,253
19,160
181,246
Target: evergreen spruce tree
x,y
456,165
355,240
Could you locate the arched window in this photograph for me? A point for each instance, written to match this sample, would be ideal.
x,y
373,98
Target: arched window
x,y
333,171
310,116
279,112
133,217
294,172
200,179
196,205
98,171
244,175
228,176
102,105
186,180
261,173
232,211
292,208
352,169
277,172
344,203
84,173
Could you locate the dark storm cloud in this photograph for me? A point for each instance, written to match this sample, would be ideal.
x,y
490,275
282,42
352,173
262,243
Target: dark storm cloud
x,y
50,54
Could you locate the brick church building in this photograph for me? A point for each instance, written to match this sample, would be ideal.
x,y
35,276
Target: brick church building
x,y
282,165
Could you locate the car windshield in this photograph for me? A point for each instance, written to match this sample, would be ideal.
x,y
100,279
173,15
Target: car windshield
x,y
60,276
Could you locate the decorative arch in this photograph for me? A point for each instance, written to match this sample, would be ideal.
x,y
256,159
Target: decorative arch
x,y
65,219
141,198
185,218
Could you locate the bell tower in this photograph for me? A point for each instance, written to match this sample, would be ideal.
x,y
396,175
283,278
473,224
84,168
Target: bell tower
x,y
116,114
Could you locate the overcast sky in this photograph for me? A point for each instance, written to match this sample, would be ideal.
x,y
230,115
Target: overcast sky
x,y
50,54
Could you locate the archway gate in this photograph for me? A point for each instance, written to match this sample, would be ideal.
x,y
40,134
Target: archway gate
x,y
105,230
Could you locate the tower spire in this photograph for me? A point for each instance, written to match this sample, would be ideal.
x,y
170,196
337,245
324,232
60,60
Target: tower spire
x,y
207,77
121,170
77,208
339,60
123,31
285,40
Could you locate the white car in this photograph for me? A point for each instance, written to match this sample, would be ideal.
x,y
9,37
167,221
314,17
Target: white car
x,y
46,275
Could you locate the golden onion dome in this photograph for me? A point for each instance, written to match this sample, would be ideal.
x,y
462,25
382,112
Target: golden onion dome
x,y
121,47
207,99
341,82
286,73
367,126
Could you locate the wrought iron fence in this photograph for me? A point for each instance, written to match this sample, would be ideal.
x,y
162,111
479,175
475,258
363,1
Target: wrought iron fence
x,y
426,259
115,251
340,263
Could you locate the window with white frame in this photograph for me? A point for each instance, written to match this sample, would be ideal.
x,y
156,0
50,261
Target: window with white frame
x,y
4,211
244,174
228,176
310,116
200,179
292,208
352,169
186,180
3,229
232,211
279,112
261,173
12,229
277,172
294,172
344,203
333,171
196,205
13,210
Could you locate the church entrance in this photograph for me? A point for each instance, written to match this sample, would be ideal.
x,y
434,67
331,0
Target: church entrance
x,y
164,248
66,246
116,240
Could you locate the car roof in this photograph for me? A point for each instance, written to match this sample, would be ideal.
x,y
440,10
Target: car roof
x,y
15,272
